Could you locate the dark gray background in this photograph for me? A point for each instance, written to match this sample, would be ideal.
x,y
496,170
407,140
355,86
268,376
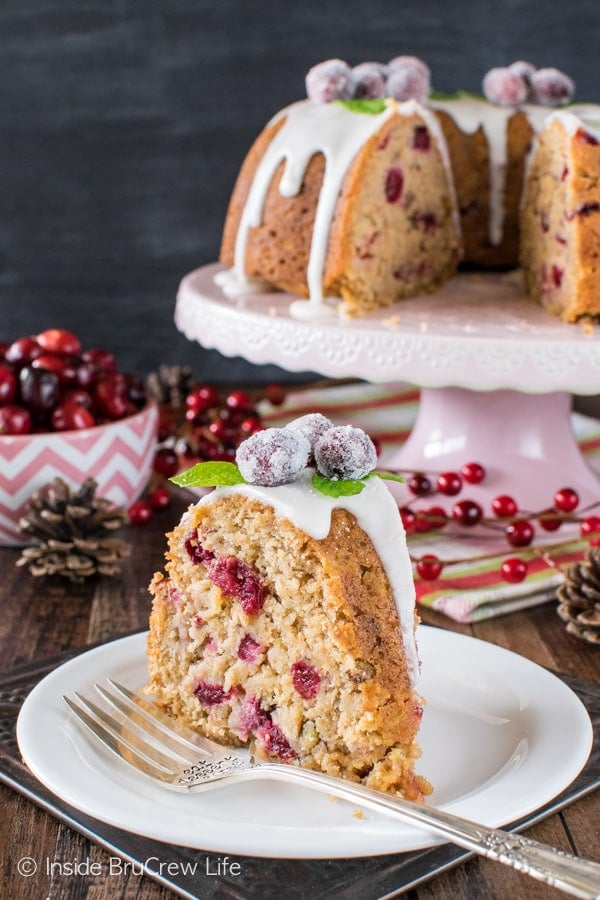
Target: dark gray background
x,y
123,124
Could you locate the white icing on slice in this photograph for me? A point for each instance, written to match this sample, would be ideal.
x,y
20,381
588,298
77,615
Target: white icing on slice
x,y
377,514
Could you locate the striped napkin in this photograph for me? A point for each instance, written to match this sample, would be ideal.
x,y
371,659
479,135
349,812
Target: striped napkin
x,y
472,590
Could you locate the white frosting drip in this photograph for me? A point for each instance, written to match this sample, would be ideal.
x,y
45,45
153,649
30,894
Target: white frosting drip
x,y
581,115
377,514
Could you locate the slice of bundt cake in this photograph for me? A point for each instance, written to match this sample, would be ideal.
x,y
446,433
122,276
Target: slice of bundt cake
x,y
560,216
352,200
285,620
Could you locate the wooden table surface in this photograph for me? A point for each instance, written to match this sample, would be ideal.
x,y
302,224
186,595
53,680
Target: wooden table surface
x,y
42,618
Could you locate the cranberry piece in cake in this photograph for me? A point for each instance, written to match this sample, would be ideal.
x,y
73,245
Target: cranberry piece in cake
x,y
394,182
306,679
275,741
237,578
211,694
249,650
196,551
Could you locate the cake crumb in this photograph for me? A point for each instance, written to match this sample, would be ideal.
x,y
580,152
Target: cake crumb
x,y
358,814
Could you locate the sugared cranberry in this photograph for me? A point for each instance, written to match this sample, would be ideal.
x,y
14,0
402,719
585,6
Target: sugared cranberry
x,y
15,419
306,679
312,426
505,88
211,694
504,506
409,78
520,533
369,81
551,87
345,452
429,567
514,570
449,483
329,80
566,499
273,457
394,183
473,473
140,512
57,340
467,512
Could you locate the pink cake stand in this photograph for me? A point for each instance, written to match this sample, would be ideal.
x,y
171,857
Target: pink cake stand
x,y
496,373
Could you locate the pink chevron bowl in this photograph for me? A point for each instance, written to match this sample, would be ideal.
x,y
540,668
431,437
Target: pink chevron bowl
x,y
117,455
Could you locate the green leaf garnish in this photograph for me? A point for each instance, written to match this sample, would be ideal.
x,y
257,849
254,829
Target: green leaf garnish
x,y
209,474
387,476
372,107
456,95
339,488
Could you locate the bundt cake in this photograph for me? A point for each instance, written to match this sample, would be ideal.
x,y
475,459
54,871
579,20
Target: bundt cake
x,y
560,228
375,189
285,619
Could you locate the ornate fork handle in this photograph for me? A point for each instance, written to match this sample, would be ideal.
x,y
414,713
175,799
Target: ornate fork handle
x,y
575,876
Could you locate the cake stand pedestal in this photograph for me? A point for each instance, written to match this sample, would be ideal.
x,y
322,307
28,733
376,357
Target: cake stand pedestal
x,y
496,373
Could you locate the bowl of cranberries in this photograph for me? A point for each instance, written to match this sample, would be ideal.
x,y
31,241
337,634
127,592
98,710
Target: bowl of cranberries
x,y
68,412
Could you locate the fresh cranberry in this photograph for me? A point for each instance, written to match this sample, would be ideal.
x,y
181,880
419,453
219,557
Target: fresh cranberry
x,y
473,473
219,430
590,527
62,366
110,395
140,512
202,398
15,419
238,579
40,390
166,462
159,498
394,183
429,567
22,351
211,694
467,512
70,416
449,483
418,484
238,400
57,340
549,521
503,506
520,533
275,394
566,499
250,426
101,360
514,570
8,385
306,679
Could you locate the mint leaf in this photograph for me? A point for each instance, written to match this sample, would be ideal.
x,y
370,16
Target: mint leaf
x,y
209,474
341,488
387,476
372,107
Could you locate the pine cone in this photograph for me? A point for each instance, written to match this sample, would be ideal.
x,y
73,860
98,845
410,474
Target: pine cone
x,y
170,385
579,597
71,532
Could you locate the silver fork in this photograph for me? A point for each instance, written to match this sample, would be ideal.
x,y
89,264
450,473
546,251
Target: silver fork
x,y
139,733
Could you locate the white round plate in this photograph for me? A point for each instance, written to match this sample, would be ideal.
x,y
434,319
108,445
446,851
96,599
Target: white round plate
x,y
478,332
500,737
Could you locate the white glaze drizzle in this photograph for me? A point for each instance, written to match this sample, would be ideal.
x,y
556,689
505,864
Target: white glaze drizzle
x,y
377,514
338,133
581,115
